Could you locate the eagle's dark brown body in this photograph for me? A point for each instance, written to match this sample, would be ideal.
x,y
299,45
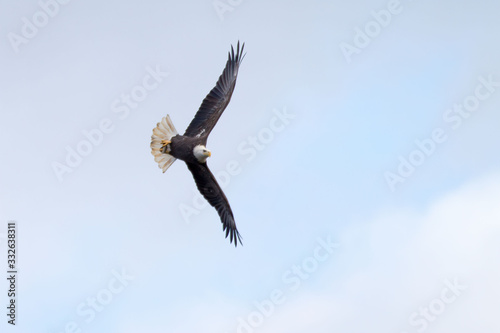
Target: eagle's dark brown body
x,y
181,147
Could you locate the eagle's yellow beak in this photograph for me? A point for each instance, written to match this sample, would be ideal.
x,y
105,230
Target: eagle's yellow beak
x,y
208,153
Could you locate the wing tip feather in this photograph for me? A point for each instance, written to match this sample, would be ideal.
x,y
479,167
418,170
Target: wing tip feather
x,y
238,58
230,228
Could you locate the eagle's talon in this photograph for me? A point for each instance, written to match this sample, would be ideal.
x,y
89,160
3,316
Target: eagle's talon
x,y
164,148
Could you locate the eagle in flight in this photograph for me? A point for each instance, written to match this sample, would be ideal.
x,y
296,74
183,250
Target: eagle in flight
x,y
167,145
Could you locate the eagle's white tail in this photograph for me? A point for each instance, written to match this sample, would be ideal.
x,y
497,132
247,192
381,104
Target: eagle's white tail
x,y
164,131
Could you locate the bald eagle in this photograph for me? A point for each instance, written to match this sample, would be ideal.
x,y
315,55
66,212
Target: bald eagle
x,y
167,145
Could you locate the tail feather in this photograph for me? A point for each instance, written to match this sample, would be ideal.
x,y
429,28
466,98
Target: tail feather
x,y
164,130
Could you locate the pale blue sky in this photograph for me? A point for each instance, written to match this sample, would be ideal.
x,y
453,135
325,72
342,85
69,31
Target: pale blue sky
x,y
321,176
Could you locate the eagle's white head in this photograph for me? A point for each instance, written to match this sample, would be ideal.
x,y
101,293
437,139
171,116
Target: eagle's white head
x,y
201,153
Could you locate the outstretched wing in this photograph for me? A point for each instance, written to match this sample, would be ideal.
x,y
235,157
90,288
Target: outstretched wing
x,y
216,101
207,185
